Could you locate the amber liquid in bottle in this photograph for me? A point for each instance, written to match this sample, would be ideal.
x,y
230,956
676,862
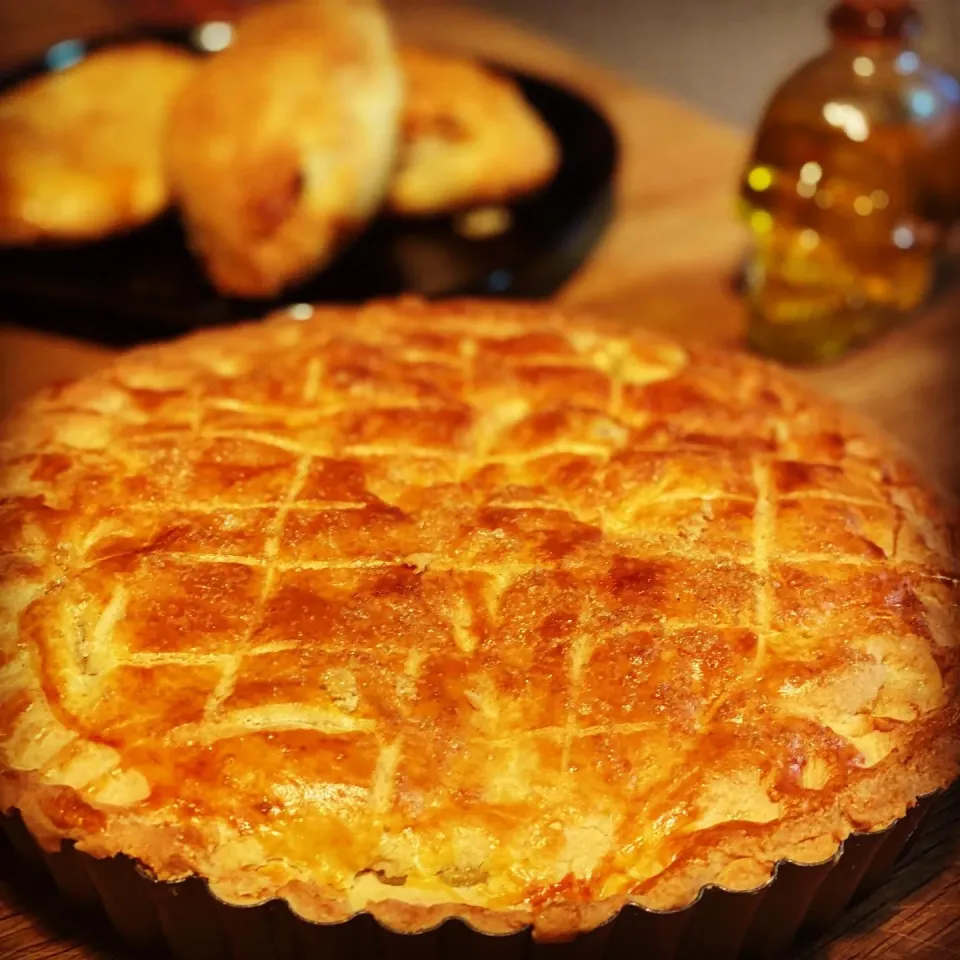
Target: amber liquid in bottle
x,y
853,183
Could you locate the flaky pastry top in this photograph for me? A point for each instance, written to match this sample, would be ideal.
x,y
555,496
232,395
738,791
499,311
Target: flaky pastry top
x,y
463,609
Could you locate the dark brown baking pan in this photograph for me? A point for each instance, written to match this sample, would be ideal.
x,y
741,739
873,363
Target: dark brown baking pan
x,y
185,920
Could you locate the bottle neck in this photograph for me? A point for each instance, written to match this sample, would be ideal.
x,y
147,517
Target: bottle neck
x,y
893,23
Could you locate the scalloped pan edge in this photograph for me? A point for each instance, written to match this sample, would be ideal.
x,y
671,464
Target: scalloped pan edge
x,y
189,922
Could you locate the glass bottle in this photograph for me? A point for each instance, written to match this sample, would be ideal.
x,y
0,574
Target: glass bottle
x,y
853,183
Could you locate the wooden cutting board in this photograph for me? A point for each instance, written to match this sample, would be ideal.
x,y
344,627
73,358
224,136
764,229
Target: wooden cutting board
x,y
666,263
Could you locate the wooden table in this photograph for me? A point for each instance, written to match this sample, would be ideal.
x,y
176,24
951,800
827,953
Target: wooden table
x,y
665,263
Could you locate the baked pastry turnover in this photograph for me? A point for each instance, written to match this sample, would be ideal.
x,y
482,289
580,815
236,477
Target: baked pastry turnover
x,y
80,149
282,146
463,609
468,137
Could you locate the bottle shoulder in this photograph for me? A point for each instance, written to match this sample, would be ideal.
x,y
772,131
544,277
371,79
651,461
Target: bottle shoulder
x,y
888,87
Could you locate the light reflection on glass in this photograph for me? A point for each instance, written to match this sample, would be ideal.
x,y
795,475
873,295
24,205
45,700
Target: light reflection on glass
x,y
863,206
761,221
214,36
301,311
806,190
906,63
65,54
863,67
834,113
848,118
923,103
809,239
760,178
811,172
857,127
903,237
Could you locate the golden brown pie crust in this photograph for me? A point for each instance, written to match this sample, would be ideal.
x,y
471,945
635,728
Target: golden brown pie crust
x,y
464,609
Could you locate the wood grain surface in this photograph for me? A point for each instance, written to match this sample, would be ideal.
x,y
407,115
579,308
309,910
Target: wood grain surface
x,y
666,263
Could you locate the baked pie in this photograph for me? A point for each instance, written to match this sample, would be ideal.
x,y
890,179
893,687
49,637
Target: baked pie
x,y
465,610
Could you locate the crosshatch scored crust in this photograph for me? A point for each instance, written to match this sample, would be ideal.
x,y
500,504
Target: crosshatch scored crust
x,y
465,610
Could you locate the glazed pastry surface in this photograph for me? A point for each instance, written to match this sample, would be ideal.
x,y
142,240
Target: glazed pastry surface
x,y
464,609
